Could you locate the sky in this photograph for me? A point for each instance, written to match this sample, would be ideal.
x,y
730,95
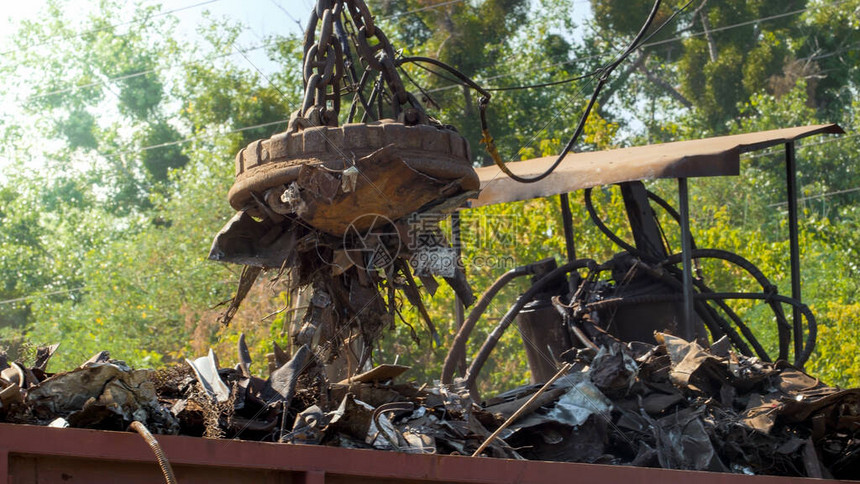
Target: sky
x,y
261,19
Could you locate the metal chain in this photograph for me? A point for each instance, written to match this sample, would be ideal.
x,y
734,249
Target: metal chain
x,y
322,70
324,65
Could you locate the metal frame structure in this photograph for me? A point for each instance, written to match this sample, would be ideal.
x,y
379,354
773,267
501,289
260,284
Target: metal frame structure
x,y
628,167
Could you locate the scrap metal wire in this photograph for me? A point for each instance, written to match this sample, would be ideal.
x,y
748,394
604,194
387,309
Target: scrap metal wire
x,y
163,463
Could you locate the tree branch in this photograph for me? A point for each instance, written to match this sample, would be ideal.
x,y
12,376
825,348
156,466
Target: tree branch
x,y
706,26
665,86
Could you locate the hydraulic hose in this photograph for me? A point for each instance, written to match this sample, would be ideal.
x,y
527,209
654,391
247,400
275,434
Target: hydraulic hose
x,y
589,206
715,324
508,318
804,309
580,127
458,348
784,329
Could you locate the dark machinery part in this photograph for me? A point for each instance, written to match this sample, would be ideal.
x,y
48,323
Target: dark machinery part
x,y
540,323
543,327
645,296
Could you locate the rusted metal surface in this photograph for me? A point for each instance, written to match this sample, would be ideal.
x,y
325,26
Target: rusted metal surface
x,y
44,455
718,156
440,156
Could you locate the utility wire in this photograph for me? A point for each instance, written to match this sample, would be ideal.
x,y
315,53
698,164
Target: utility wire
x,y
429,7
147,71
218,56
287,13
801,146
809,145
491,78
820,195
647,44
195,138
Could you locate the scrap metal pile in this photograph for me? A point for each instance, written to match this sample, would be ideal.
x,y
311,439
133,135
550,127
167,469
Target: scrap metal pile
x,y
674,405
352,213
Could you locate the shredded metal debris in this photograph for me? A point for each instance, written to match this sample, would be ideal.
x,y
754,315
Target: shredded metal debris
x,y
673,405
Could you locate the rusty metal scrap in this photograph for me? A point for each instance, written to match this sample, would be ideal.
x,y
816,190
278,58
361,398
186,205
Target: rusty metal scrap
x,y
109,395
719,156
674,405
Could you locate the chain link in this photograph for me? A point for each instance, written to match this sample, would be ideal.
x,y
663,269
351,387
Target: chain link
x,y
324,63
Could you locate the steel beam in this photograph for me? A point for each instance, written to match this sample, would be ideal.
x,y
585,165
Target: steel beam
x,y
794,244
646,232
689,330
567,222
459,307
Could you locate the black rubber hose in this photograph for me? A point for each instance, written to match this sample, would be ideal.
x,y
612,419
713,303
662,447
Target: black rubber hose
x,y
716,325
580,127
675,282
436,62
671,211
736,340
784,329
359,95
589,206
745,330
458,347
508,318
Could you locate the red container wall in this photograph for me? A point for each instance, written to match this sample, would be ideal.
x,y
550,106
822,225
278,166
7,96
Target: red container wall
x,y
44,455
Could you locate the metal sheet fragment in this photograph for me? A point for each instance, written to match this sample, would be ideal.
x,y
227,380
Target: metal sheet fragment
x,y
282,382
580,402
206,370
102,395
622,405
379,373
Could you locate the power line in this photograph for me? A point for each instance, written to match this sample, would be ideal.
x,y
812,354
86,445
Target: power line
x,y
429,7
809,145
499,76
743,24
287,13
652,44
802,146
109,27
219,56
195,138
149,71
821,195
